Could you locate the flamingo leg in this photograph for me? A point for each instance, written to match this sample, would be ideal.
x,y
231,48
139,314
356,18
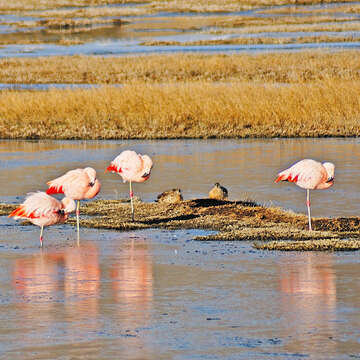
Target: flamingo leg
x,y
308,207
78,221
41,236
132,202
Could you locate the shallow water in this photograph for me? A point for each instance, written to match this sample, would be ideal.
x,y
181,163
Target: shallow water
x,y
131,47
157,294
113,39
44,87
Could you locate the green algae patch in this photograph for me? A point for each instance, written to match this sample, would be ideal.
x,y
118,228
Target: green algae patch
x,y
269,227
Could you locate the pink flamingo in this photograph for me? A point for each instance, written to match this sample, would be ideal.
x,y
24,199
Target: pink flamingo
x,y
309,174
44,210
132,167
76,184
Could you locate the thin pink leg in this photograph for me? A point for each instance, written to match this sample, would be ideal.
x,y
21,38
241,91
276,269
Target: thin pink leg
x,y
131,201
308,207
41,236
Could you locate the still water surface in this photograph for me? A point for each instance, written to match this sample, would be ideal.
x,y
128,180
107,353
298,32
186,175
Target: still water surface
x,y
158,294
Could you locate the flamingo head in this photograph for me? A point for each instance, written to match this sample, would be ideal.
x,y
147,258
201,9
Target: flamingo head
x,y
68,206
330,169
147,165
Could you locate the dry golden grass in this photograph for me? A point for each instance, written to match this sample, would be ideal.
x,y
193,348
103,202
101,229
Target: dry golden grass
x,y
17,5
333,27
184,110
234,221
158,5
91,13
256,41
292,68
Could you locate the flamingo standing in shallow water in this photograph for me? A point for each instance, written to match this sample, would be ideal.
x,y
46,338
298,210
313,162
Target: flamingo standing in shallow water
x,y
76,184
310,175
44,210
132,167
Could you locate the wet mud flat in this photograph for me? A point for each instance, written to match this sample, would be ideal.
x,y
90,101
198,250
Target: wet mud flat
x,y
270,228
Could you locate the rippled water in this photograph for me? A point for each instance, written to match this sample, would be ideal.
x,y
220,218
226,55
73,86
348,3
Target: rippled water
x,y
157,294
109,39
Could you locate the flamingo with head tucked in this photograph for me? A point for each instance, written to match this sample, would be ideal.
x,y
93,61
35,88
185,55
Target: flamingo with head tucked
x,y
132,167
76,184
44,210
310,175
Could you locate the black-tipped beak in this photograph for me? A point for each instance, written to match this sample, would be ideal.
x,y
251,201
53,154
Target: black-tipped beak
x,y
146,175
61,212
330,179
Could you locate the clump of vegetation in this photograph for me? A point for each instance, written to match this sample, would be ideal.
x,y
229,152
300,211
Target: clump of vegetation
x,y
234,221
255,41
318,245
305,66
184,110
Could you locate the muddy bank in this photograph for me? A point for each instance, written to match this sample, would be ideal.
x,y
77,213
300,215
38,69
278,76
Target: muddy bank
x,y
270,228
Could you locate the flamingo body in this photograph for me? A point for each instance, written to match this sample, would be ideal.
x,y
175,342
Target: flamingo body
x,y
132,166
310,175
42,210
76,184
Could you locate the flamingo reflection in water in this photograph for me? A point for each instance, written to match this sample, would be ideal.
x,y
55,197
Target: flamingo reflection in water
x,y
308,301
70,277
132,281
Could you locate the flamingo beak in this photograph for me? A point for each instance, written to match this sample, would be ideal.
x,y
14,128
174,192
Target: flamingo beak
x,y
330,180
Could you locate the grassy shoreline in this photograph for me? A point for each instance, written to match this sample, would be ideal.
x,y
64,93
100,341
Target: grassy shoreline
x,y
270,228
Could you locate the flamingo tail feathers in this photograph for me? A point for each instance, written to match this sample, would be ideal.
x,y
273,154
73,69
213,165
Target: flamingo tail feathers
x,y
21,212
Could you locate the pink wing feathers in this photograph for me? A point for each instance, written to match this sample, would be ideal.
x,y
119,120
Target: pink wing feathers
x,y
131,166
307,174
76,184
37,205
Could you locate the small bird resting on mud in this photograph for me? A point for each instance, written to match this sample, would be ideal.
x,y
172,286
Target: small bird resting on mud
x,y
218,192
170,196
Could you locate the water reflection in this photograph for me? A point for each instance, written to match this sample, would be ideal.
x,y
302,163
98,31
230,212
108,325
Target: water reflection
x,y
308,302
132,280
77,290
82,280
